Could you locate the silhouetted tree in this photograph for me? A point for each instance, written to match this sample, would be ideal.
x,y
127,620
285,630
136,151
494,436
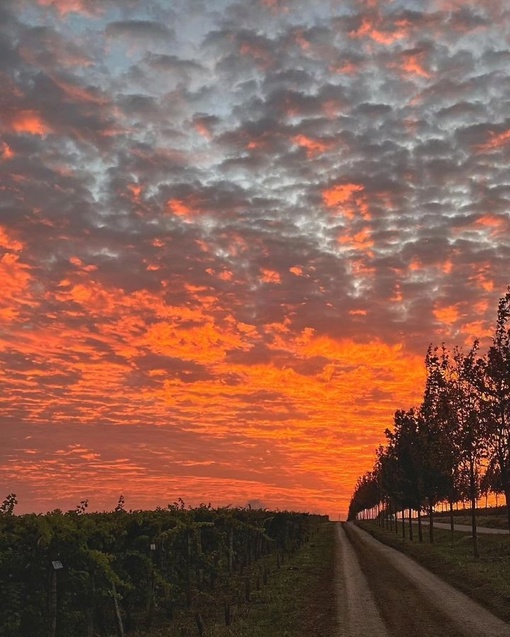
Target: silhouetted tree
x,y
493,381
468,432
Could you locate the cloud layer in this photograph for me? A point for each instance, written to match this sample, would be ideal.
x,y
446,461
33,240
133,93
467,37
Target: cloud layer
x,y
228,233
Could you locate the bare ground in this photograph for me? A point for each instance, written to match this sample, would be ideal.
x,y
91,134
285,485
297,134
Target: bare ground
x,y
383,593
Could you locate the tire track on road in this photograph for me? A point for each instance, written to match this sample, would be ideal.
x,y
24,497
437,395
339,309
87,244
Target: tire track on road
x,y
358,612
410,600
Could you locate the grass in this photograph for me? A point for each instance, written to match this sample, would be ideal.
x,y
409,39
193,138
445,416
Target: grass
x,y
486,579
299,599
300,596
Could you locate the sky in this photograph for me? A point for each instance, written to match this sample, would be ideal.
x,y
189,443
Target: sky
x,y
229,230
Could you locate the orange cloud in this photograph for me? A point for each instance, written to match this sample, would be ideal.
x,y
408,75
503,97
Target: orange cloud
x,y
202,129
181,208
494,225
79,264
368,29
30,121
344,68
192,374
135,190
340,194
8,242
270,276
276,6
302,41
226,275
413,63
15,278
313,147
397,297
64,7
346,199
361,240
448,314
259,54
495,141
79,93
446,267
5,151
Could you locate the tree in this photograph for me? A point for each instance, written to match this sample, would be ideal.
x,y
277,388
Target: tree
x,y
366,495
438,458
493,382
403,463
491,480
468,431
7,506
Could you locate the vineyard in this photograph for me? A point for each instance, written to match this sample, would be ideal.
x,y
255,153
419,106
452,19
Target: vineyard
x,y
173,571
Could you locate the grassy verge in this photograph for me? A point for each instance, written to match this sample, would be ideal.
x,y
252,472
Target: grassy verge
x,y
490,521
297,600
486,580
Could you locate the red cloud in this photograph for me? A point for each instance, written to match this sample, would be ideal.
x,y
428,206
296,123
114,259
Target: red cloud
x,y
64,7
30,121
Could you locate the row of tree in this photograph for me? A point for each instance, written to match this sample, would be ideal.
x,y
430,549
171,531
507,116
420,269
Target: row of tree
x,y
79,574
454,445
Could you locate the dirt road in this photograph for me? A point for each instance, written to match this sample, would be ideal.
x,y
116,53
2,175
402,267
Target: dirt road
x,y
383,593
465,528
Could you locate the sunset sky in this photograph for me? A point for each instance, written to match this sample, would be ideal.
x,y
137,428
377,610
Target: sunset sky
x,y
228,233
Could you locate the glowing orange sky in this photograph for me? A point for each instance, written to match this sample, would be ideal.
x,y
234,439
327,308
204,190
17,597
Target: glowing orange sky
x,y
228,235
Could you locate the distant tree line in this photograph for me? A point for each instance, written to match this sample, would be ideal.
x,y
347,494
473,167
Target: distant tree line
x,y
453,447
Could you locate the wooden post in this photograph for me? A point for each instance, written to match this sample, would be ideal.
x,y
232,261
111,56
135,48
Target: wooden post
x,y
188,569
53,602
91,606
228,615
230,550
116,607
200,624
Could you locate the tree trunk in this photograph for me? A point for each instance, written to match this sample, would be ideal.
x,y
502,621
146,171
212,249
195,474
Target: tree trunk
x,y
507,498
411,537
472,488
403,523
452,526
431,523
420,528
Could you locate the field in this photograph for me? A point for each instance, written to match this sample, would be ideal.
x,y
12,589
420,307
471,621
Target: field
x,y
171,572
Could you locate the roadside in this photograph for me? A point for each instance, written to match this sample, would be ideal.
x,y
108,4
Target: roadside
x,y
486,580
299,598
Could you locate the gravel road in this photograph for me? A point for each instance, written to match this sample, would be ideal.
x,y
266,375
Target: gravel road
x,y
465,528
383,593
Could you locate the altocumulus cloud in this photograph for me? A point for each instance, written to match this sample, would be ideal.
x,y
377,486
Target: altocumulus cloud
x,y
229,231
